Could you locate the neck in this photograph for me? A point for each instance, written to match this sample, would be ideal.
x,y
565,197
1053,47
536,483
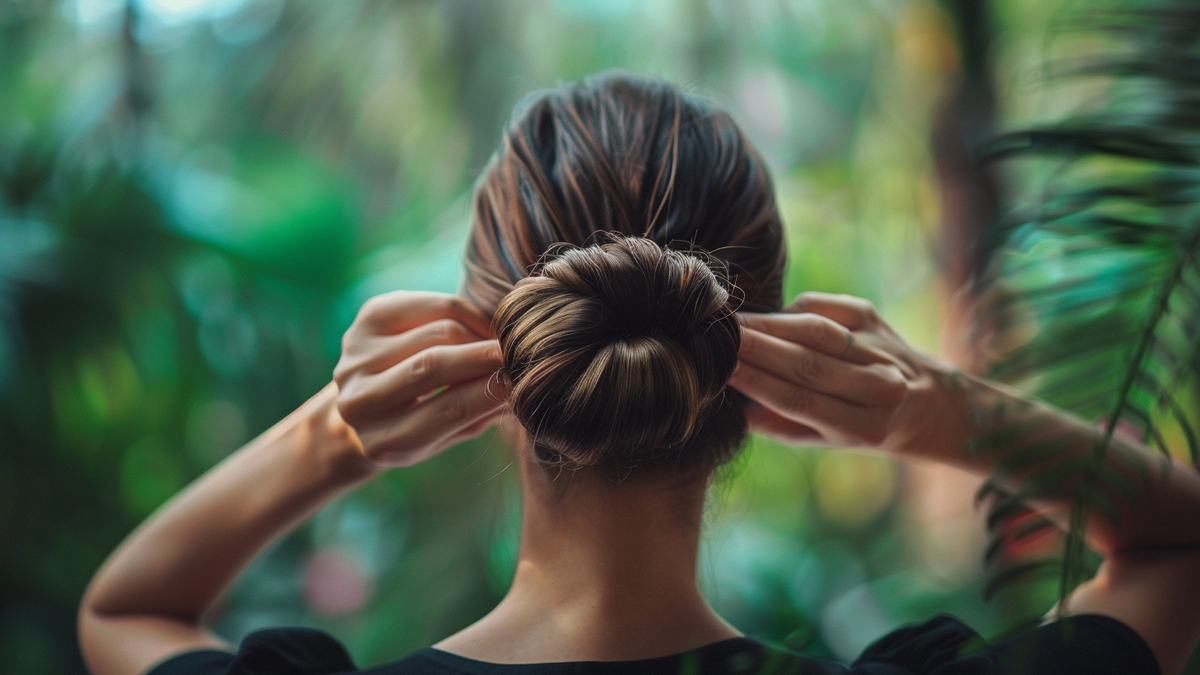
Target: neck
x,y
605,573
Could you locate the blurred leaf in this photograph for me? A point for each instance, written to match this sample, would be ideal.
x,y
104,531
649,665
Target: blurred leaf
x,y
1104,264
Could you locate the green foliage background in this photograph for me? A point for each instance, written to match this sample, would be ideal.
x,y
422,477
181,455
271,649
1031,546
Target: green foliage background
x,y
198,194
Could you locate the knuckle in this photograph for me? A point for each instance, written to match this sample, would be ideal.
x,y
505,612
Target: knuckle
x,y
798,399
895,386
807,369
804,298
855,302
341,372
370,309
375,312
867,309
456,332
829,332
350,405
799,304
349,344
453,305
442,330
356,340
425,363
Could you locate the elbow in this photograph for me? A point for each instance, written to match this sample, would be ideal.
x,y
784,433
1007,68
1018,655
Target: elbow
x,y
87,633
89,624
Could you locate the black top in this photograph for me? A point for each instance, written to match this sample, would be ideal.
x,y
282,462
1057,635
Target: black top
x,y
1088,644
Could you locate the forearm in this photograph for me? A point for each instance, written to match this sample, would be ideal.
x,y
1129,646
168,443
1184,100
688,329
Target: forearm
x,y
1143,509
176,563
1013,440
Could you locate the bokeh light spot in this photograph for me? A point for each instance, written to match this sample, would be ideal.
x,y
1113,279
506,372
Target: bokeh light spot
x,y
852,489
334,585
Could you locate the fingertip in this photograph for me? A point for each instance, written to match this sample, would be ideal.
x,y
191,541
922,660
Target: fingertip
x,y
492,352
738,372
749,340
744,377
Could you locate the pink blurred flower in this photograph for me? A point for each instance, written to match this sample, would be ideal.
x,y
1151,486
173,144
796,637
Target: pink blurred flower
x,y
334,585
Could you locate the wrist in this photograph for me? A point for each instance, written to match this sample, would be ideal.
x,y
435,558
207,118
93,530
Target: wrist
x,y
934,423
338,450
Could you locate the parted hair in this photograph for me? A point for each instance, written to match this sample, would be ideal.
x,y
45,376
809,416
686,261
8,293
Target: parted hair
x,y
614,233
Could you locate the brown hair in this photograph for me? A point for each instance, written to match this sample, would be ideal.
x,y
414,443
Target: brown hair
x,y
618,353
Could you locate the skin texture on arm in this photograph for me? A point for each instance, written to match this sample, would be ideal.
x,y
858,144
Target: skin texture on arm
x,y
426,367
147,600
829,371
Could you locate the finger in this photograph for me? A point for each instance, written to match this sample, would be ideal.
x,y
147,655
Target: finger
x,y
869,385
850,311
427,428
376,353
476,428
398,387
399,311
769,424
837,421
815,332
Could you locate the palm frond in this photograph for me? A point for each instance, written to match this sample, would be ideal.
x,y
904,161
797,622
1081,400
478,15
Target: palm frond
x,y
1097,282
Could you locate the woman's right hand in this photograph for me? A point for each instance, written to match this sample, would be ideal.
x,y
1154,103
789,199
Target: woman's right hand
x,y
415,376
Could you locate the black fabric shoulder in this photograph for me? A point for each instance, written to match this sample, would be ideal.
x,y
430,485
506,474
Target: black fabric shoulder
x,y
274,651
1079,645
201,662
926,647
1086,643
737,656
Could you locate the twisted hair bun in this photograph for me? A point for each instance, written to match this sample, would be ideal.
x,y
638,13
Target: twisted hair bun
x,y
618,354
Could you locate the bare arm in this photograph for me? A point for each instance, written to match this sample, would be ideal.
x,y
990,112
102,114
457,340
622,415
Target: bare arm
x,y
146,602
828,370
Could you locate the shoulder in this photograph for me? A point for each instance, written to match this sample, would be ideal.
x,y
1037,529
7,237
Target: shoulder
x,y
295,651
285,651
1088,644
1083,643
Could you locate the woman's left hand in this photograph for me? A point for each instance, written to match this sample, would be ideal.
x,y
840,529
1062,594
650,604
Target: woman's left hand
x,y
415,375
828,370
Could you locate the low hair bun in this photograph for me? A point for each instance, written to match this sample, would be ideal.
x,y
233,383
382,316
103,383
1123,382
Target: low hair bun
x,y
617,354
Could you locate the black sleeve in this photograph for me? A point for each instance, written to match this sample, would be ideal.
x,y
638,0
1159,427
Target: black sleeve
x,y
203,662
278,651
942,645
1088,644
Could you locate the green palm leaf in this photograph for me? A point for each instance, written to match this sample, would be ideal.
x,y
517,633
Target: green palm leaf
x,y
1096,283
